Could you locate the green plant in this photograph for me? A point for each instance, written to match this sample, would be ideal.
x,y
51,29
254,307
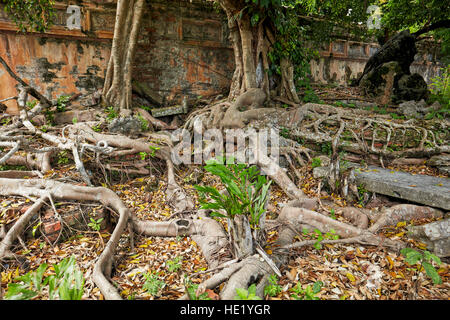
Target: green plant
x,y
316,162
62,157
153,283
440,87
332,214
273,288
191,290
61,103
5,121
247,191
67,282
249,294
319,236
111,113
309,293
31,104
174,265
153,150
95,224
361,192
143,155
284,132
326,148
144,123
97,128
310,96
423,261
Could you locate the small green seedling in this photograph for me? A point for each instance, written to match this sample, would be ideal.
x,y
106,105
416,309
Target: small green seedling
x,y
273,288
423,261
249,294
95,224
309,293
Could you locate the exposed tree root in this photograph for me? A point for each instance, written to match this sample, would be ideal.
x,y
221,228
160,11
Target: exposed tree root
x,y
62,191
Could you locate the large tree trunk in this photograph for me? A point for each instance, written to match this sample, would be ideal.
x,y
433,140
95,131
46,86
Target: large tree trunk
x,y
118,89
251,44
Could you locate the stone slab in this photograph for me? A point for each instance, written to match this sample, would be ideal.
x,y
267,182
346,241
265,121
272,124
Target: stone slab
x,y
428,190
168,111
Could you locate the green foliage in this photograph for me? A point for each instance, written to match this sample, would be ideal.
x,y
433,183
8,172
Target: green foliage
x,y
326,148
413,15
440,90
424,260
273,288
174,264
95,224
316,162
62,157
31,104
67,283
309,293
153,150
144,123
247,191
319,236
31,15
153,283
361,192
310,95
111,113
284,132
97,128
249,294
191,289
61,103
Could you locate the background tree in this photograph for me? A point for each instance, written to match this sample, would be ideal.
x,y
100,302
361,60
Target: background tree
x,y
30,15
117,88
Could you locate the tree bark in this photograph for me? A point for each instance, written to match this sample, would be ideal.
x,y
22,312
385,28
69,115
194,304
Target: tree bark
x,y
117,90
251,44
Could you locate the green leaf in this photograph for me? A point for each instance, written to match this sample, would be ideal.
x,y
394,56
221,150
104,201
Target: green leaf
x,y
429,256
241,294
217,214
18,291
412,256
432,273
317,287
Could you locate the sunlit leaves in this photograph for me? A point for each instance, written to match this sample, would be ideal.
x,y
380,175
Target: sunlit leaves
x,y
30,15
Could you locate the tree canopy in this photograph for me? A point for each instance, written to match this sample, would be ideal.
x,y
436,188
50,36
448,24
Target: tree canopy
x,y
30,15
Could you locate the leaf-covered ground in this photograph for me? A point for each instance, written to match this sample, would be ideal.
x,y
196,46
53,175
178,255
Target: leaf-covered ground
x,y
346,271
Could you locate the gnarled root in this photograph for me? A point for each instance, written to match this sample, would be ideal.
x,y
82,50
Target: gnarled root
x,y
57,190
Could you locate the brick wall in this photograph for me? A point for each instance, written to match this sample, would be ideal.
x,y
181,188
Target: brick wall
x,y
343,60
183,50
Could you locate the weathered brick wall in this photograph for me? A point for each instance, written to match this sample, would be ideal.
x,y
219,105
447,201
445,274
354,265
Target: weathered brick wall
x,y
61,61
341,61
184,50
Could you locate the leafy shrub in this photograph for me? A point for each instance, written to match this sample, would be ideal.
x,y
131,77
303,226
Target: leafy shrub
x,y
440,87
153,283
247,191
67,283
273,288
